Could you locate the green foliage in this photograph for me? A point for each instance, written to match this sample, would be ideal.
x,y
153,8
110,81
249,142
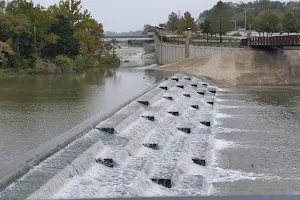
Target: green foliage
x,y
290,23
52,38
63,62
187,21
173,22
206,27
147,28
31,36
220,19
67,43
268,21
254,8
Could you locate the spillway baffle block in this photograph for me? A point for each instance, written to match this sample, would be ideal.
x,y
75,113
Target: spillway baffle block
x,y
194,85
198,161
164,182
146,103
108,162
185,130
107,130
180,86
152,146
201,93
195,107
164,88
174,79
174,113
206,123
150,118
213,91
187,78
211,103
187,95
169,98
204,84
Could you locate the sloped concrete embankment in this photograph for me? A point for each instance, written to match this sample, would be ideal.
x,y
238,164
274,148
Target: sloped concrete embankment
x,y
145,149
246,67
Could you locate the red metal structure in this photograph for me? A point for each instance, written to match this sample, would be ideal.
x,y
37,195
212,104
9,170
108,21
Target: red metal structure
x,y
278,41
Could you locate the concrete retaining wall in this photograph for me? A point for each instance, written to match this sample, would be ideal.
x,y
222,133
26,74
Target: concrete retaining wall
x,y
171,53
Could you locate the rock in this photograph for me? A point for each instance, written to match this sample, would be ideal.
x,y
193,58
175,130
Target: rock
x,y
185,130
198,161
164,182
174,113
152,146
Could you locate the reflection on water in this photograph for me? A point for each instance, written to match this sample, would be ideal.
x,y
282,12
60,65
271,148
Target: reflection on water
x,y
34,109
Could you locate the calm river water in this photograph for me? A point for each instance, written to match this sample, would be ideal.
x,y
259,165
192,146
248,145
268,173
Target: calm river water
x,y
34,109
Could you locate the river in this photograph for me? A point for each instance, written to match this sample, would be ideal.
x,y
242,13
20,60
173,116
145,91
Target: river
x,y
36,108
254,140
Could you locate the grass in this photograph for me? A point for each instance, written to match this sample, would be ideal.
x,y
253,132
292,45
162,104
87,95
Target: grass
x,y
16,72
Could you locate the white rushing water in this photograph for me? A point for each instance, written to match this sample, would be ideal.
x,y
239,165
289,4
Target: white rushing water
x,y
156,150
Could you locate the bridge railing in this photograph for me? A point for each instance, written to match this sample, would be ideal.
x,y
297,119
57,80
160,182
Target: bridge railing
x,y
288,40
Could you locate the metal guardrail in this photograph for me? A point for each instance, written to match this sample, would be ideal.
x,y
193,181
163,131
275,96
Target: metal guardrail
x,y
287,40
195,41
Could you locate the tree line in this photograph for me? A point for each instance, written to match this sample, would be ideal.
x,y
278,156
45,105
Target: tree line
x,y
264,16
62,33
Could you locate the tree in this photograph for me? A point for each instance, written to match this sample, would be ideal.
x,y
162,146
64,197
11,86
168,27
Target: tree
x,y
172,24
206,28
221,19
185,22
2,6
190,22
289,23
147,28
5,50
67,44
268,21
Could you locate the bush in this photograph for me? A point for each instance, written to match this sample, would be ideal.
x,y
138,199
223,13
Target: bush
x,y
63,62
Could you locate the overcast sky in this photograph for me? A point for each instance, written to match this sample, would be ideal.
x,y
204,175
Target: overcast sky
x,y
126,15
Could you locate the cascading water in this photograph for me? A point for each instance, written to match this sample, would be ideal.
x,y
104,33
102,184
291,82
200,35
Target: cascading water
x,y
173,141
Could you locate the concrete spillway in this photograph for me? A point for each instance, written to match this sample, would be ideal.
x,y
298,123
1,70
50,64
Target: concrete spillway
x,y
145,149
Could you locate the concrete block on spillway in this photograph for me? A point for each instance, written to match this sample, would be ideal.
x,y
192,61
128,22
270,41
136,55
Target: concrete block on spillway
x,y
151,142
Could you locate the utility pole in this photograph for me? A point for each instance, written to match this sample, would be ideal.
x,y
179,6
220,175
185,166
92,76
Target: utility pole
x,y
246,17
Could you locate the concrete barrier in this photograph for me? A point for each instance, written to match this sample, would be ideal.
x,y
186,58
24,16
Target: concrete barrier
x,y
167,53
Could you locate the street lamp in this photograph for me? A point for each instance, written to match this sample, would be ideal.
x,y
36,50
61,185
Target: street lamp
x,y
246,17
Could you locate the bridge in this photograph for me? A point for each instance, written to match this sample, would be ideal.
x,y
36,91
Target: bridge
x,y
275,41
127,36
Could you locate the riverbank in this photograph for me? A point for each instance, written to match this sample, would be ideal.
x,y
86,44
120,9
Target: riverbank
x,y
48,67
244,68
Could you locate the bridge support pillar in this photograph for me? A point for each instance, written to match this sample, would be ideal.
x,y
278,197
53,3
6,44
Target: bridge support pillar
x,y
187,43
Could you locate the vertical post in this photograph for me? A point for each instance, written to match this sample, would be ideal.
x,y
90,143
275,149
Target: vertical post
x,y
161,44
245,19
187,43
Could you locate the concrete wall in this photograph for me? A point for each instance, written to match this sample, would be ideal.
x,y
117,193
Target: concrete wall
x,y
172,53
246,67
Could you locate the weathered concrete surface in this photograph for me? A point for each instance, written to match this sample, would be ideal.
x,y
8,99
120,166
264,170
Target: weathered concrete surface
x,y
168,53
246,67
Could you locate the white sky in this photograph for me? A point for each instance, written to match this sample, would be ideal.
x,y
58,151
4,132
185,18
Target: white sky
x,y
126,15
